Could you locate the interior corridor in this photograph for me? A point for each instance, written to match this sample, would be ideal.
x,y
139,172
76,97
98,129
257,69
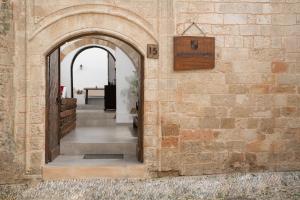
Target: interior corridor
x,y
97,139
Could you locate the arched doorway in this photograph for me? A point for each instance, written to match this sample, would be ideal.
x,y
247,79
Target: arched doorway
x,y
54,101
77,21
110,55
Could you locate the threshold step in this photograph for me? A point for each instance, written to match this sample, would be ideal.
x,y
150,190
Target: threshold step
x,y
75,167
74,148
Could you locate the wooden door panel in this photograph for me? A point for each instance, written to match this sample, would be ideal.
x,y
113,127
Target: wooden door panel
x,y
53,105
140,147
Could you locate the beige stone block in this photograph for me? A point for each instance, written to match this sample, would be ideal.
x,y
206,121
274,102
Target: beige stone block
x,y
206,111
201,99
37,143
289,79
259,145
210,18
262,42
261,112
263,19
291,44
169,159
150,118
233,53
243,100
189,122
239,8
276,42
233,41
219,40
268,8
170,130
150,106
266,54
251,66
235,146
198,134
150,154
150,84
289,112
252,123
150,141
223,100
225,29
209,122
242,78
238,89
201,169
227,123
240,112
251,19
169,142
280,100
260,89
194,7
150,95
284,89
284,19
235,19
250,30
248,41
293,100
187,108
150,130
274,30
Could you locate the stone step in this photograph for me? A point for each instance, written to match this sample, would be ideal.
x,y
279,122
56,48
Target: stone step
x,y
95,119
94,123
74,167
79,148
86,114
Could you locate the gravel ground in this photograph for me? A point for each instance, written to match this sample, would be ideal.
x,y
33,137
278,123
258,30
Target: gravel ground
x,y
230,187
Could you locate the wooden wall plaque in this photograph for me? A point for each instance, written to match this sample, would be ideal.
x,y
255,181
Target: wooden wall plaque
x,y
194,53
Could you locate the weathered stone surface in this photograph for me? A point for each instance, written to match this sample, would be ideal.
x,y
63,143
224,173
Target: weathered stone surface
x,y
243,115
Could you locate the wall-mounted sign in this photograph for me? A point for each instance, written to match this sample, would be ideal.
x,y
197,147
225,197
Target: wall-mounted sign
x,y
152,51
194,53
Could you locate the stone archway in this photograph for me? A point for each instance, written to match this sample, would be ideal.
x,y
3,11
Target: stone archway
x,y
66,28
102,41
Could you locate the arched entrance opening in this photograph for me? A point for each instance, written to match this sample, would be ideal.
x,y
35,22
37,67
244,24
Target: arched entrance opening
x,y
80,51
61,110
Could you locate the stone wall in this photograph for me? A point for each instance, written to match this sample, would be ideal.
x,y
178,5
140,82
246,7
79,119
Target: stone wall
x,y
244,115
10,170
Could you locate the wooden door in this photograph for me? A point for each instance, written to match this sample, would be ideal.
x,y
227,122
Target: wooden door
x,y
53,106
140,145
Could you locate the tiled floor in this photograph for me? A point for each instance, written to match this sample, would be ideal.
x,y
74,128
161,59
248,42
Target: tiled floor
x,y
97,133
105,134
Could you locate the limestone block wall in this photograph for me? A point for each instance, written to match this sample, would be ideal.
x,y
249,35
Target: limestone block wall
x,y
244,115
10,168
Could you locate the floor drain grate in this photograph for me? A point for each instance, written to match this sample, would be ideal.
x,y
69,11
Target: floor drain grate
x,y
103,156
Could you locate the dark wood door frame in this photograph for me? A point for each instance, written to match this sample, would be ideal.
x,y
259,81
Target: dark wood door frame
x,y
51,153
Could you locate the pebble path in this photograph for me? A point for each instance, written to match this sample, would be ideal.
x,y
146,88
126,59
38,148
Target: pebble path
x,y
250,186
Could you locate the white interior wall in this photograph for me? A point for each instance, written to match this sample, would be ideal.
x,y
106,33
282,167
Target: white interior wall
x,y
125,73
94,72
97,58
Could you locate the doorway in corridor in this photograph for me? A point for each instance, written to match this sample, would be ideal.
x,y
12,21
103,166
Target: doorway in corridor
x,y
95,102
